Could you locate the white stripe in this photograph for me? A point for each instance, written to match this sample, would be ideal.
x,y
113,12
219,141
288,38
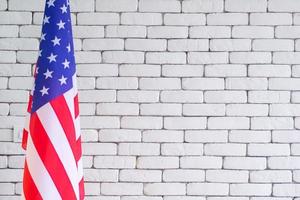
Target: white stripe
x,y
60,142
80,169
39,173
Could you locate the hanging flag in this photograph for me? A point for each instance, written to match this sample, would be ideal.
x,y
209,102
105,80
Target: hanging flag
x,y
51,137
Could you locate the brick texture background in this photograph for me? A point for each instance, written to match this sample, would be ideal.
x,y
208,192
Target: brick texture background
x,y
180,100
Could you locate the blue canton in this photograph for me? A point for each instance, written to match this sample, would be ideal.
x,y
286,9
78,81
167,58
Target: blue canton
x,y
56,62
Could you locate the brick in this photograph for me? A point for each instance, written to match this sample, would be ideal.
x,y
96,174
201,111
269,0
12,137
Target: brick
x,y
97,70
287,162
146,44
206,136
273,45
269,70
268,149
210,32
207,57
87,57
97,18
88,31
203,83
7,57
161,109
11,175
139,175
20,83
252,32
285,136
202,6
246,83
286,57
99,122
287,31
249,6
227,19
76,6
94,175
245,163
181,149
13,96
225,70
289,6
114,162
225,176
225,97
123,57
159,83
269,96
272,123
141,122
185,122
163,136
188,45
284,110
103,44
85,83
9,31
140,70
159,6
182,96
7,188
117,83
138,149
182,70
203,109
250,57
15,18
289,190
4,109
157,162
225,149
208,189
116,6
230,45
283,83
141,18
164,189
117,109
228,123
125,31
251,189
183,175
97,96
201,162
89,135
167,31
137,96
271,19
122,188
271,176
99,149
119,135
247,109
184,19
3,5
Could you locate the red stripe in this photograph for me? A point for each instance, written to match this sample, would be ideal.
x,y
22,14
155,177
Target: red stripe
x,y
29,104
24,139
81,189
29,188
65,118
50,158
76,105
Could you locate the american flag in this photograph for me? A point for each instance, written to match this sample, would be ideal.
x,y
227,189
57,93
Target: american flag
x,y
51,137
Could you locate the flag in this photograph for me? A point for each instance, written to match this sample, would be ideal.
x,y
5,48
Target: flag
x,y
51,137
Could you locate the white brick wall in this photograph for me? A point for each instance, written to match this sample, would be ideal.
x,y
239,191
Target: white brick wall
x,y
179,99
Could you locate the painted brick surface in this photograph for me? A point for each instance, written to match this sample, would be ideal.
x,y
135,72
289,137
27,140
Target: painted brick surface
x,y
179,99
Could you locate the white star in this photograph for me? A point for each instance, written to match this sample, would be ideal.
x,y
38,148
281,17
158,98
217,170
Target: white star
x,y
44,90
36,70
56,41
40,53
66,64
43,36
46,19
61,25
68,2
48,74
64,9
51,3
63,80
69,47
52,58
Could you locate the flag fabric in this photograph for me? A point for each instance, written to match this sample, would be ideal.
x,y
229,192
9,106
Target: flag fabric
x,y
51,137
